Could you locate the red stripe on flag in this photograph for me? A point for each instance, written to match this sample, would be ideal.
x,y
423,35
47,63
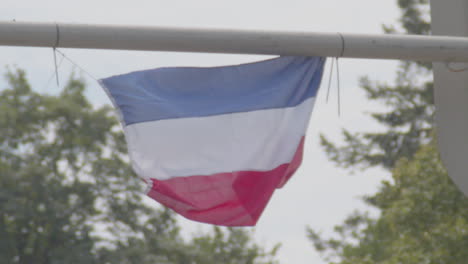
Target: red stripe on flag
x,y
229,199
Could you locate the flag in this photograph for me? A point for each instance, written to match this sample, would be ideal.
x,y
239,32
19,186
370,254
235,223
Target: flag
x,y
213,144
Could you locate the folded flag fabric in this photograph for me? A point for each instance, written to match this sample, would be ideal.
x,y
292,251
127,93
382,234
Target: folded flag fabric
x,y
214,143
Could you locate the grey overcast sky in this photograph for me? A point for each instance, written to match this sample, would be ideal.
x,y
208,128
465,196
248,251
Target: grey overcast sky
x,y
319,195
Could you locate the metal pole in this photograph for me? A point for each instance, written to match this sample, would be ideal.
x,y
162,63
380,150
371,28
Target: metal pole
x,y
449,17
404,47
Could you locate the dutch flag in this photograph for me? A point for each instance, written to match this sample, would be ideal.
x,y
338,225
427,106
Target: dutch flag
x,y
214,143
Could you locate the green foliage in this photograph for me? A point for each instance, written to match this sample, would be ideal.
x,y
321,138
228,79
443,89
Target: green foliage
x,y
230,248
68,194
46,209
423,216
424,219
408,124
415,17
408,121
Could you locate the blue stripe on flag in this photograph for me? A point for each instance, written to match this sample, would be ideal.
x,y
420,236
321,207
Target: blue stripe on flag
x,y
168,93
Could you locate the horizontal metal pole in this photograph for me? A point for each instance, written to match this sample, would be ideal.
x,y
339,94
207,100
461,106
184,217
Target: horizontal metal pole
x,y
401,47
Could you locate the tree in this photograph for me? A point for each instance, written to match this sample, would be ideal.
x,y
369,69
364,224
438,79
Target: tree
x,y
68,194
423,219
423,216
234,247
410,101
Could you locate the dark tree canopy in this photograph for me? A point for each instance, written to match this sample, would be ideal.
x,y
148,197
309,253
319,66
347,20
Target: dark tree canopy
x,y
410,101
423,216
423,219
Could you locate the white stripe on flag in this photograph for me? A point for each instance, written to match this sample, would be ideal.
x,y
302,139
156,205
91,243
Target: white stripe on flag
x,y
258,140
